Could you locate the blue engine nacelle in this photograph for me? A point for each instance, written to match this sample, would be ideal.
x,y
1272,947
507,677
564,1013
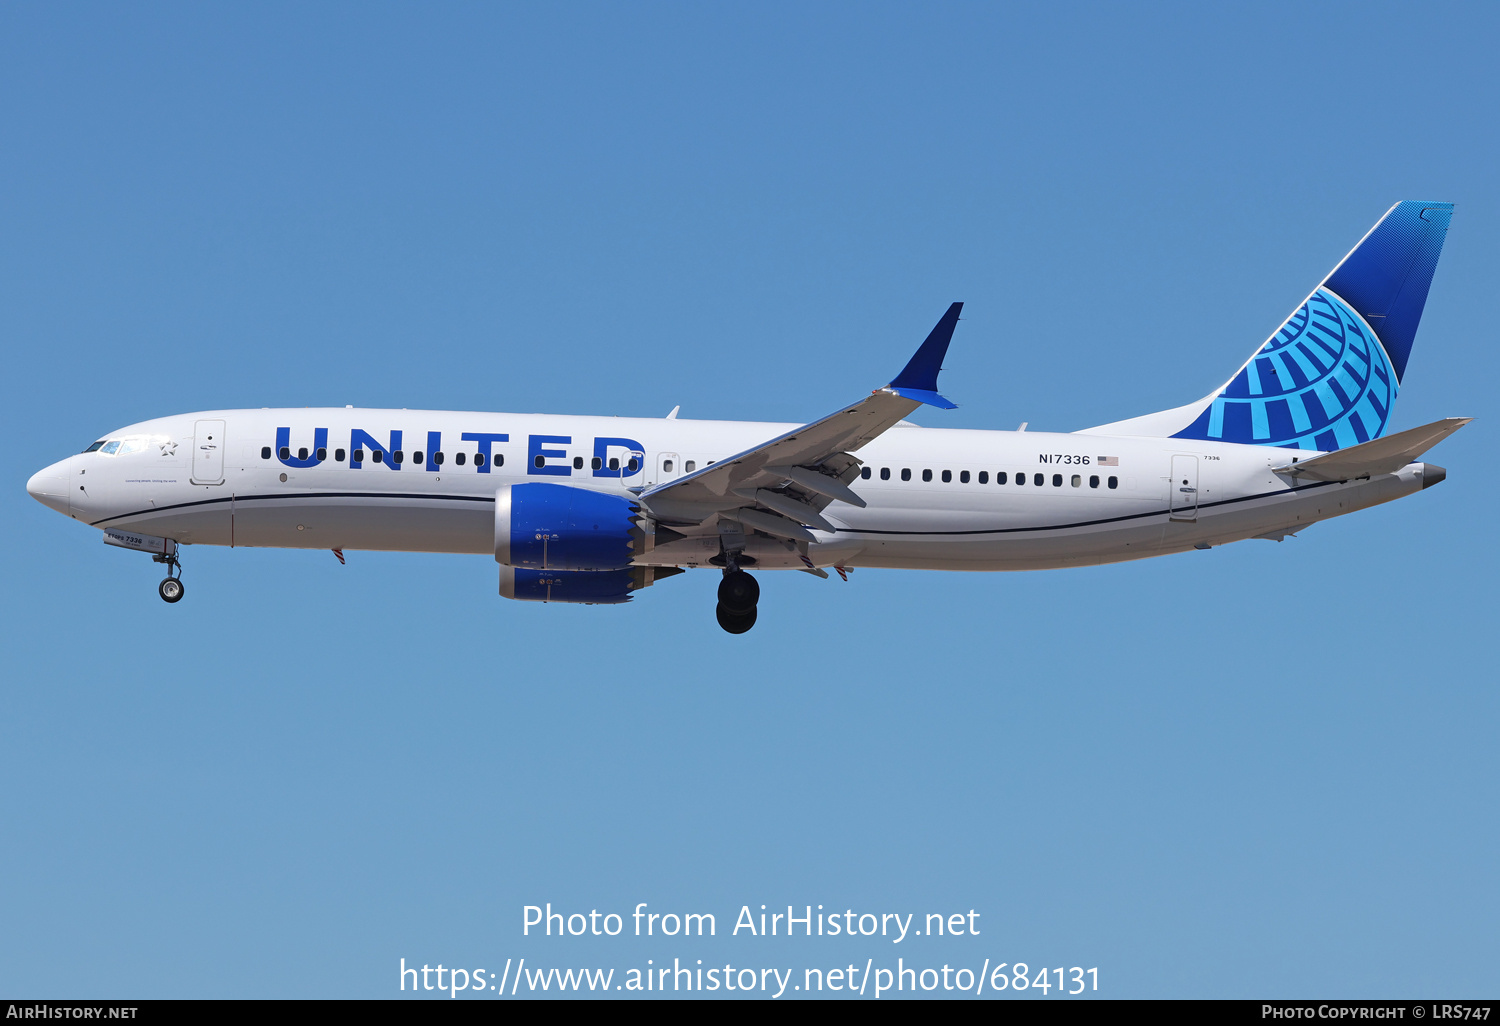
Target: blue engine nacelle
x,y
557,527
591,587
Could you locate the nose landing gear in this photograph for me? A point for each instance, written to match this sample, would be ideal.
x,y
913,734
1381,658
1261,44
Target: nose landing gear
x,y
170,589
163,550
738,595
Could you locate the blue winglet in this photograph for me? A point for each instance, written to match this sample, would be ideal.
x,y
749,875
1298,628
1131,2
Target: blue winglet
x,y
918,380
924,395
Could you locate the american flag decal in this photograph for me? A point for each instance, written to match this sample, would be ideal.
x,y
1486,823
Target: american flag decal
x,y
1107,461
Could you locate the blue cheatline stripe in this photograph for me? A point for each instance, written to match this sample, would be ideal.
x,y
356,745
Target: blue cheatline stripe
x,y
299,495
843,530
1094,523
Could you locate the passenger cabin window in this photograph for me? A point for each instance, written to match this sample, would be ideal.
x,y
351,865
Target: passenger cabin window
x,y
906,473
864,473
99,445
1038,479
1114,482
322,454
984,477
947,477
265,452
358,456
1077,480
963,477
885,473
539,462
666,466
338,455
1001,477
577,462
633,465
614,463
689,466
437,458
416,457
377,456
1056,480
1093,480
926,475
302,453
399,455
459,459
285,453
479,459
596,463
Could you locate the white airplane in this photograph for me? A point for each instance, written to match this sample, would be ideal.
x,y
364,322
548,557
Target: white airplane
x,y
592,509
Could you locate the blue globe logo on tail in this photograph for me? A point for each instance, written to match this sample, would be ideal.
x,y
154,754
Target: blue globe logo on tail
x,y
1322,382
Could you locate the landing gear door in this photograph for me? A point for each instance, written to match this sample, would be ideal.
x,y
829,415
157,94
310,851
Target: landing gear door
x,y
1183,488
208,452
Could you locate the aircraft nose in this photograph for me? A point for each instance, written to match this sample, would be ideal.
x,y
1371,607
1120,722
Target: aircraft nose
x,y
50,487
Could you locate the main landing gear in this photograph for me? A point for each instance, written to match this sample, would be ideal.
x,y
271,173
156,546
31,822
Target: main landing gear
x,y
738,594
170,589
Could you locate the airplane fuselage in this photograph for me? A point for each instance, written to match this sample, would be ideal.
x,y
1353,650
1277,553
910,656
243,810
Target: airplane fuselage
x,y
937,499
592,509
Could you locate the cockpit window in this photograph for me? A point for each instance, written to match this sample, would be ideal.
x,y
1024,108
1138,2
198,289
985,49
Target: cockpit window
x,y
122,446
95,447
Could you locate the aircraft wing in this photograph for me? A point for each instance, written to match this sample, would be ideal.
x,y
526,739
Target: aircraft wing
x,y
784,483
1379,456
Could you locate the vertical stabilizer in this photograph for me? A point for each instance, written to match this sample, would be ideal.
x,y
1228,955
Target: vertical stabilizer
x,y
1328,377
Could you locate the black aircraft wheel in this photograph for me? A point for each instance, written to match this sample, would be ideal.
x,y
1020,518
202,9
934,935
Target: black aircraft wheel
x,y
735,623
170,590
738,593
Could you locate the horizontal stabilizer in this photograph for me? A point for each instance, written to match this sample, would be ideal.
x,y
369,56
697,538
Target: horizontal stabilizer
x,y
1380,456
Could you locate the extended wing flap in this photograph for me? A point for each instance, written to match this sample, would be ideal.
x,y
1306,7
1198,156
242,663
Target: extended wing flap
x,y
808,446
1378,456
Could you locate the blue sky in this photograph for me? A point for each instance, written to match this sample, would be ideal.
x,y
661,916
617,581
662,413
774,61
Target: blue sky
x,y
1259,770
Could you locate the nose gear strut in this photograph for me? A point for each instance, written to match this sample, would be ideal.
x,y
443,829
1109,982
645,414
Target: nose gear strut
x,y
162,550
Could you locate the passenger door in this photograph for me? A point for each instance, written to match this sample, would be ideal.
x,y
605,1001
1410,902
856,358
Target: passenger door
x,y
208,452
1183,488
